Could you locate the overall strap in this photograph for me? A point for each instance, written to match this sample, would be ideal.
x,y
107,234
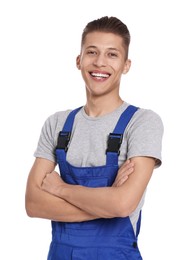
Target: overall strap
x,y
64,136
115,138
70,120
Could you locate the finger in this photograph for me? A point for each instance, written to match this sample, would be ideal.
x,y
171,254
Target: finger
x,y
123,175
125,171
121,181
126,165
120,178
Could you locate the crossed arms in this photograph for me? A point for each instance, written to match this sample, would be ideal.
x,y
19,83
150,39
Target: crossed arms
x,y
49,197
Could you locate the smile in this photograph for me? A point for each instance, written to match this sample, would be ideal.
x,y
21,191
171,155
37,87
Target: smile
x,y
99,75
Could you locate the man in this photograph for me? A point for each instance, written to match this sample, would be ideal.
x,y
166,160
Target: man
x,y
95,203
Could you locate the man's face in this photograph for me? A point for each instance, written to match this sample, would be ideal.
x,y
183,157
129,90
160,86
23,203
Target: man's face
x,y
102,62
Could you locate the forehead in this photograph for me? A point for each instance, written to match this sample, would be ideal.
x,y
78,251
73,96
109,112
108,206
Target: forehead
x,y
103,39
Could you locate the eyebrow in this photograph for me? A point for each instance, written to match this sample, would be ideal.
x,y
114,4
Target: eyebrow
x,y
110,48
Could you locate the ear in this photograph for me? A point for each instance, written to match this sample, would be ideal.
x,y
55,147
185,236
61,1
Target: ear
x,y
78,62
127,66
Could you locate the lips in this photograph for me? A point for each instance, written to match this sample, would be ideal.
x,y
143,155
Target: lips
x,y
100,74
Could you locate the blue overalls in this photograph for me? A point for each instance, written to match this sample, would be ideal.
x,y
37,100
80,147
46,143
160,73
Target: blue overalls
x,y
100,239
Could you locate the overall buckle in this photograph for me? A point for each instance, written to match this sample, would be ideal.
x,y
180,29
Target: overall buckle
x,y
114,143
63,140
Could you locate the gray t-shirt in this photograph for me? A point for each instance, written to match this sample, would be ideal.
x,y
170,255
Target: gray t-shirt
x,y
142,137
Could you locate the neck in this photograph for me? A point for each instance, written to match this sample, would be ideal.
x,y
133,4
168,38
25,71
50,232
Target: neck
x,y
98,106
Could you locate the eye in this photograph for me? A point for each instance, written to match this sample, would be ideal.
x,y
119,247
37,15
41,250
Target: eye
x,y
112,55
91,52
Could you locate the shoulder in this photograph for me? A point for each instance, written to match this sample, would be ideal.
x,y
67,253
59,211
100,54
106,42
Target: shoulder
x,y
57,119
53,125
144,134
148,114
148,118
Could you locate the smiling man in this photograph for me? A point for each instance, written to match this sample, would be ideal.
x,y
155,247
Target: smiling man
x,y
106,151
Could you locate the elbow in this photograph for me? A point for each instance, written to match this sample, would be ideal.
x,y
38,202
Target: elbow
x,y
124,209
125,212
29,211
29,208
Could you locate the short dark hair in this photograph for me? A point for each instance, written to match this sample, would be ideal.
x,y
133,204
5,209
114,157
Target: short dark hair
x,y
109,25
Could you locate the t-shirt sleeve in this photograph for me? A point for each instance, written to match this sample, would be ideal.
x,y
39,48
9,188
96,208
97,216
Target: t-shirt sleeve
x,y
47,141
145,135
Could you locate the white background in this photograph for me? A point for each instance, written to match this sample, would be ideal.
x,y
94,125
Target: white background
x,y
39,41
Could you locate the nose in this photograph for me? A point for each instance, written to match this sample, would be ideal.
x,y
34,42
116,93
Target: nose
x,y
100,60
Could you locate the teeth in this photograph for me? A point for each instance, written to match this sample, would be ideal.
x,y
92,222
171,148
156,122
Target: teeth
x,y
100,75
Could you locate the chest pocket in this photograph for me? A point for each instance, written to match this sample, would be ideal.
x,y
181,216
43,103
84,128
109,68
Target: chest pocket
x,y
100,176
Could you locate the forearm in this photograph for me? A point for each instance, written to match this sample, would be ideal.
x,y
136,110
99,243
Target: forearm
x,y
101,202
41,204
